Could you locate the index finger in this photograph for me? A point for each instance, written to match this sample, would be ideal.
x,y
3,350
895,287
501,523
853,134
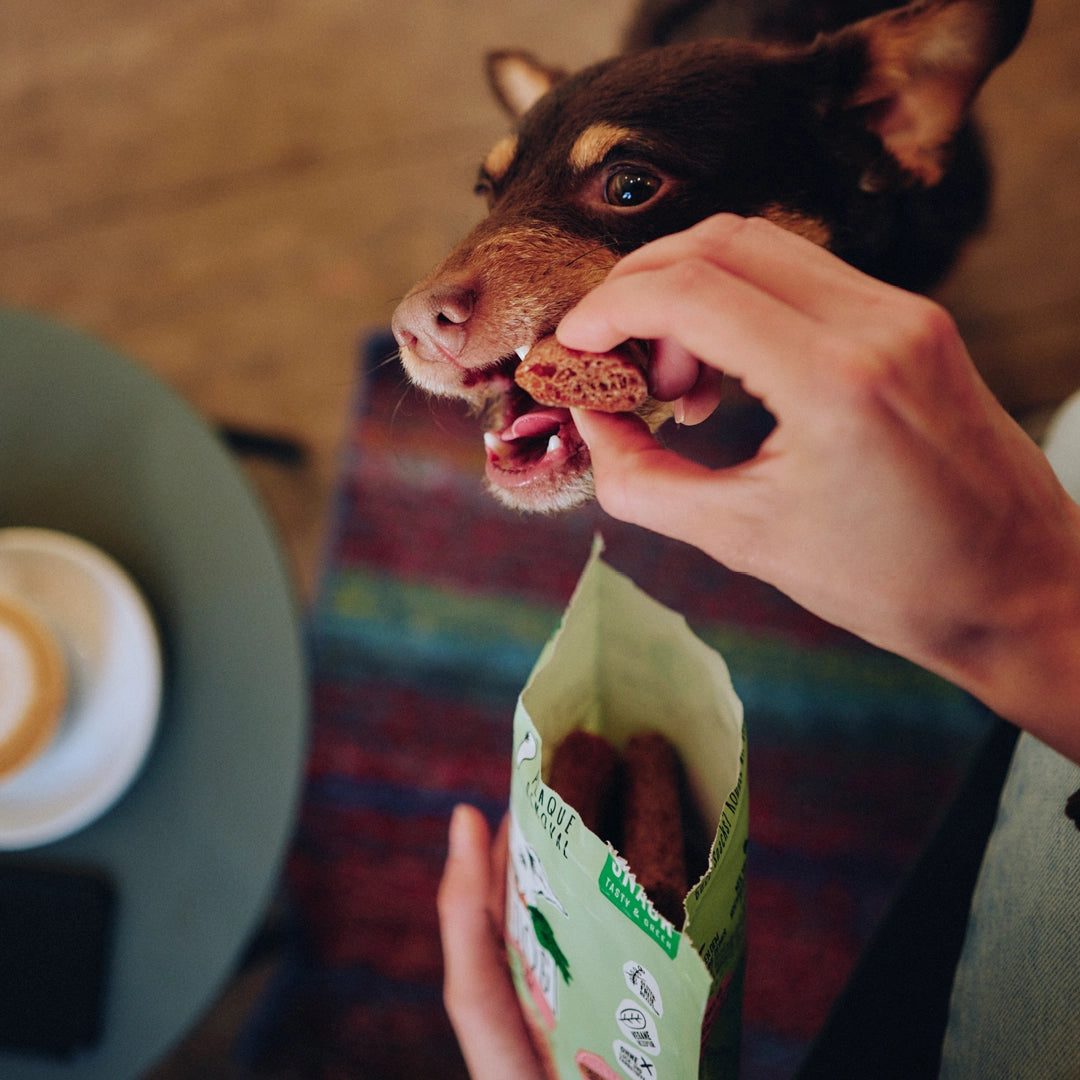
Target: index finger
x,y
726,322
779,261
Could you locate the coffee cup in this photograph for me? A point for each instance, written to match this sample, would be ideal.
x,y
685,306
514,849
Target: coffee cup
x,y
33,685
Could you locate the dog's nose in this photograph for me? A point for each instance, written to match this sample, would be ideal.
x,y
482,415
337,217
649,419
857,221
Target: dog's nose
x,y
432,322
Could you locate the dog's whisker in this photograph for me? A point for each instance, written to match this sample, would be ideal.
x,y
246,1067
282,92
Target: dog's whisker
x,y
581,255
381,365
395,412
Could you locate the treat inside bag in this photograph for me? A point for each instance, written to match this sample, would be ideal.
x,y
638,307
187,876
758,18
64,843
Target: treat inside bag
x,y
625,917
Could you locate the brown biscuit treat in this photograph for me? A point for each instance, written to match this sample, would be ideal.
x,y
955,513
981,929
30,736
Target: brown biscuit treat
x,y
652,823
612,382
583,773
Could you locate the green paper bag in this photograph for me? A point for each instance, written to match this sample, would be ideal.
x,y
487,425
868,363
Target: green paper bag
x,y
610,988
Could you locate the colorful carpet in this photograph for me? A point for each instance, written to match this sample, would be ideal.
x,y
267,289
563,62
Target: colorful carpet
x,y
434,605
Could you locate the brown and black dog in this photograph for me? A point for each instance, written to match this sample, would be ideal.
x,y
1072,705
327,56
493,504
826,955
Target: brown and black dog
x,y
859,139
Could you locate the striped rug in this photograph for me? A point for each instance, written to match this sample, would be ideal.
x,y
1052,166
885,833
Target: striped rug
x,y
433,607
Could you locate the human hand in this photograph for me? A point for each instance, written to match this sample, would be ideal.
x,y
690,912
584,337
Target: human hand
x,y
477,989
895,497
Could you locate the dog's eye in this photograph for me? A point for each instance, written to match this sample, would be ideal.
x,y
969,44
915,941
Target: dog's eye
x,y
631,187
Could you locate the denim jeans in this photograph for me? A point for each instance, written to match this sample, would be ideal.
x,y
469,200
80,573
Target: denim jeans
x,y
1015,1006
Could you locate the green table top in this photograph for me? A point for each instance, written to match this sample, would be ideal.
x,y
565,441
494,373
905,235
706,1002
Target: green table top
x,y
93,445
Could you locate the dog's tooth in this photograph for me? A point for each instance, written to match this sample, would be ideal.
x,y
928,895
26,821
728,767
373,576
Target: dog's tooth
x,y
496,446
553,444
521,350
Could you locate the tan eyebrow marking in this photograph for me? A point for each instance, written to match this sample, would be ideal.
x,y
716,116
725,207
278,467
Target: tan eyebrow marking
x,y
500,156
811,228
595,143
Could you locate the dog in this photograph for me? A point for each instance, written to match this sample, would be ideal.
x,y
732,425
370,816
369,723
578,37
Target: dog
x,y
859,139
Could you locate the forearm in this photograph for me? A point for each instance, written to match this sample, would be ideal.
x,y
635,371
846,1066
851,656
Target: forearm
x,y
895,497
1041,693
1026,667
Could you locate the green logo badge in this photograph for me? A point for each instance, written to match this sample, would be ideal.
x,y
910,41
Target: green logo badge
x,y
620,888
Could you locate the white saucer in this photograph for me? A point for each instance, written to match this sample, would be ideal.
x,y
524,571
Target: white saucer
x,y
1062,445
113,656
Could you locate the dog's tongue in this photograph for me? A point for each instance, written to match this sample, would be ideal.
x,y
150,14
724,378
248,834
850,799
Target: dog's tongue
x,y
540,423
534,448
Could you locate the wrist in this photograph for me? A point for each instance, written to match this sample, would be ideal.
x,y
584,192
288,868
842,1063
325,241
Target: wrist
x,y
1024,663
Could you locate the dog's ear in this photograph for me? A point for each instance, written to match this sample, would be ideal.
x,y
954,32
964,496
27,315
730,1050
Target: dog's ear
x,y
519,80
924,64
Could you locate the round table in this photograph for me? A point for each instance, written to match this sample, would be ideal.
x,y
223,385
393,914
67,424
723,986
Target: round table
x,y
93,445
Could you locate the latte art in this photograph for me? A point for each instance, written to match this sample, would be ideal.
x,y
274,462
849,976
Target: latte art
x,y
33,686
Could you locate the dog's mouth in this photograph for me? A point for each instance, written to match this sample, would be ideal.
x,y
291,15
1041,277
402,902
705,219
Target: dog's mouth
x,y
532,450
536,443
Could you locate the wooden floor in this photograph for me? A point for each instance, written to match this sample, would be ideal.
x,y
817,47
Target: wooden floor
x,y
232,191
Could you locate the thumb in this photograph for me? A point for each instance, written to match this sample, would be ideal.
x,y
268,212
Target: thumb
x,y
463,891
639,481
479,995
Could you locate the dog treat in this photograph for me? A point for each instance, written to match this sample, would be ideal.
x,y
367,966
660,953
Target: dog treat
x,y
635,802
610,382
583,773
652,842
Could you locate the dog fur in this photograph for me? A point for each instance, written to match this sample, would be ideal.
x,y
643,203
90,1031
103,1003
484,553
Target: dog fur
x,y
859,139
